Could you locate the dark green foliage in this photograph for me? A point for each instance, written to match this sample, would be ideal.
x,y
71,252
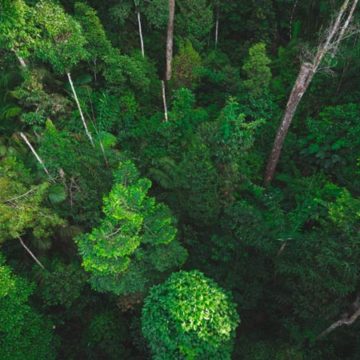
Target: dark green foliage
x,y
289,252
24,334
61,284
186,67
189,317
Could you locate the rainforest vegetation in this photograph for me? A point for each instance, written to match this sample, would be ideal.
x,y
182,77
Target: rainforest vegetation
x,y
179,180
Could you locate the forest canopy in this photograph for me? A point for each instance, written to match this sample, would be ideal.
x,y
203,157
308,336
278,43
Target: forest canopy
x,y
179,180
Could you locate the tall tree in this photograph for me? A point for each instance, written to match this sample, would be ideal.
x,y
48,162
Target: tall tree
x,y
135,242
189,317
333,37
62,44
170,40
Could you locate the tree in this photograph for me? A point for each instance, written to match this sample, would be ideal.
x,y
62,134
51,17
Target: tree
x,y
24,333
17,31
135,242
257,69
194,21
186,67
97,45
189,317
333,37
170,40
22,210
62,44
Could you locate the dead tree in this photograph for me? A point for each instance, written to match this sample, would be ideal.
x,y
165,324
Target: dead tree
x,y
170,40
335,34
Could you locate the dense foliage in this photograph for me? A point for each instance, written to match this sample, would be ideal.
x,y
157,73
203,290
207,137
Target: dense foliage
x,y
134,219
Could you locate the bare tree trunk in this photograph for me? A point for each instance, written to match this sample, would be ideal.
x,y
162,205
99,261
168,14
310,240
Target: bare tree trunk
x,y
170,40
38,158
31,253
345,320
80,110
293,102
164,100
334,36
217,28
20,59
141,34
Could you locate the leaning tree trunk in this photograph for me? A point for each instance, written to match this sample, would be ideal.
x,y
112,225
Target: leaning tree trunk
x,y
79,108
304,78
170,40
37,157
346,319
140,33
334,36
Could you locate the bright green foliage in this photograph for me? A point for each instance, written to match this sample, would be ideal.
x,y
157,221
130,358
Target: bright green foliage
x,y
186,67
62,42
22,209
97,44
189,317
24,334
128,251
61,284
17,31
256,68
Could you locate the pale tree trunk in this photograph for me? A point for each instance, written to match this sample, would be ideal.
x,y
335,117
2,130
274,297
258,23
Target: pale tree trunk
x,y
31,253
170,40
20,59
217,28
80,110
334,36
164,100
38,158
345,320
141,34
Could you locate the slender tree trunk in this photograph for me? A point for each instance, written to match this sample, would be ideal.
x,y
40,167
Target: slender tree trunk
x,y
334,36
217,28
38,158
141,34
345,320
164,100
31,253
80,110
170,40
